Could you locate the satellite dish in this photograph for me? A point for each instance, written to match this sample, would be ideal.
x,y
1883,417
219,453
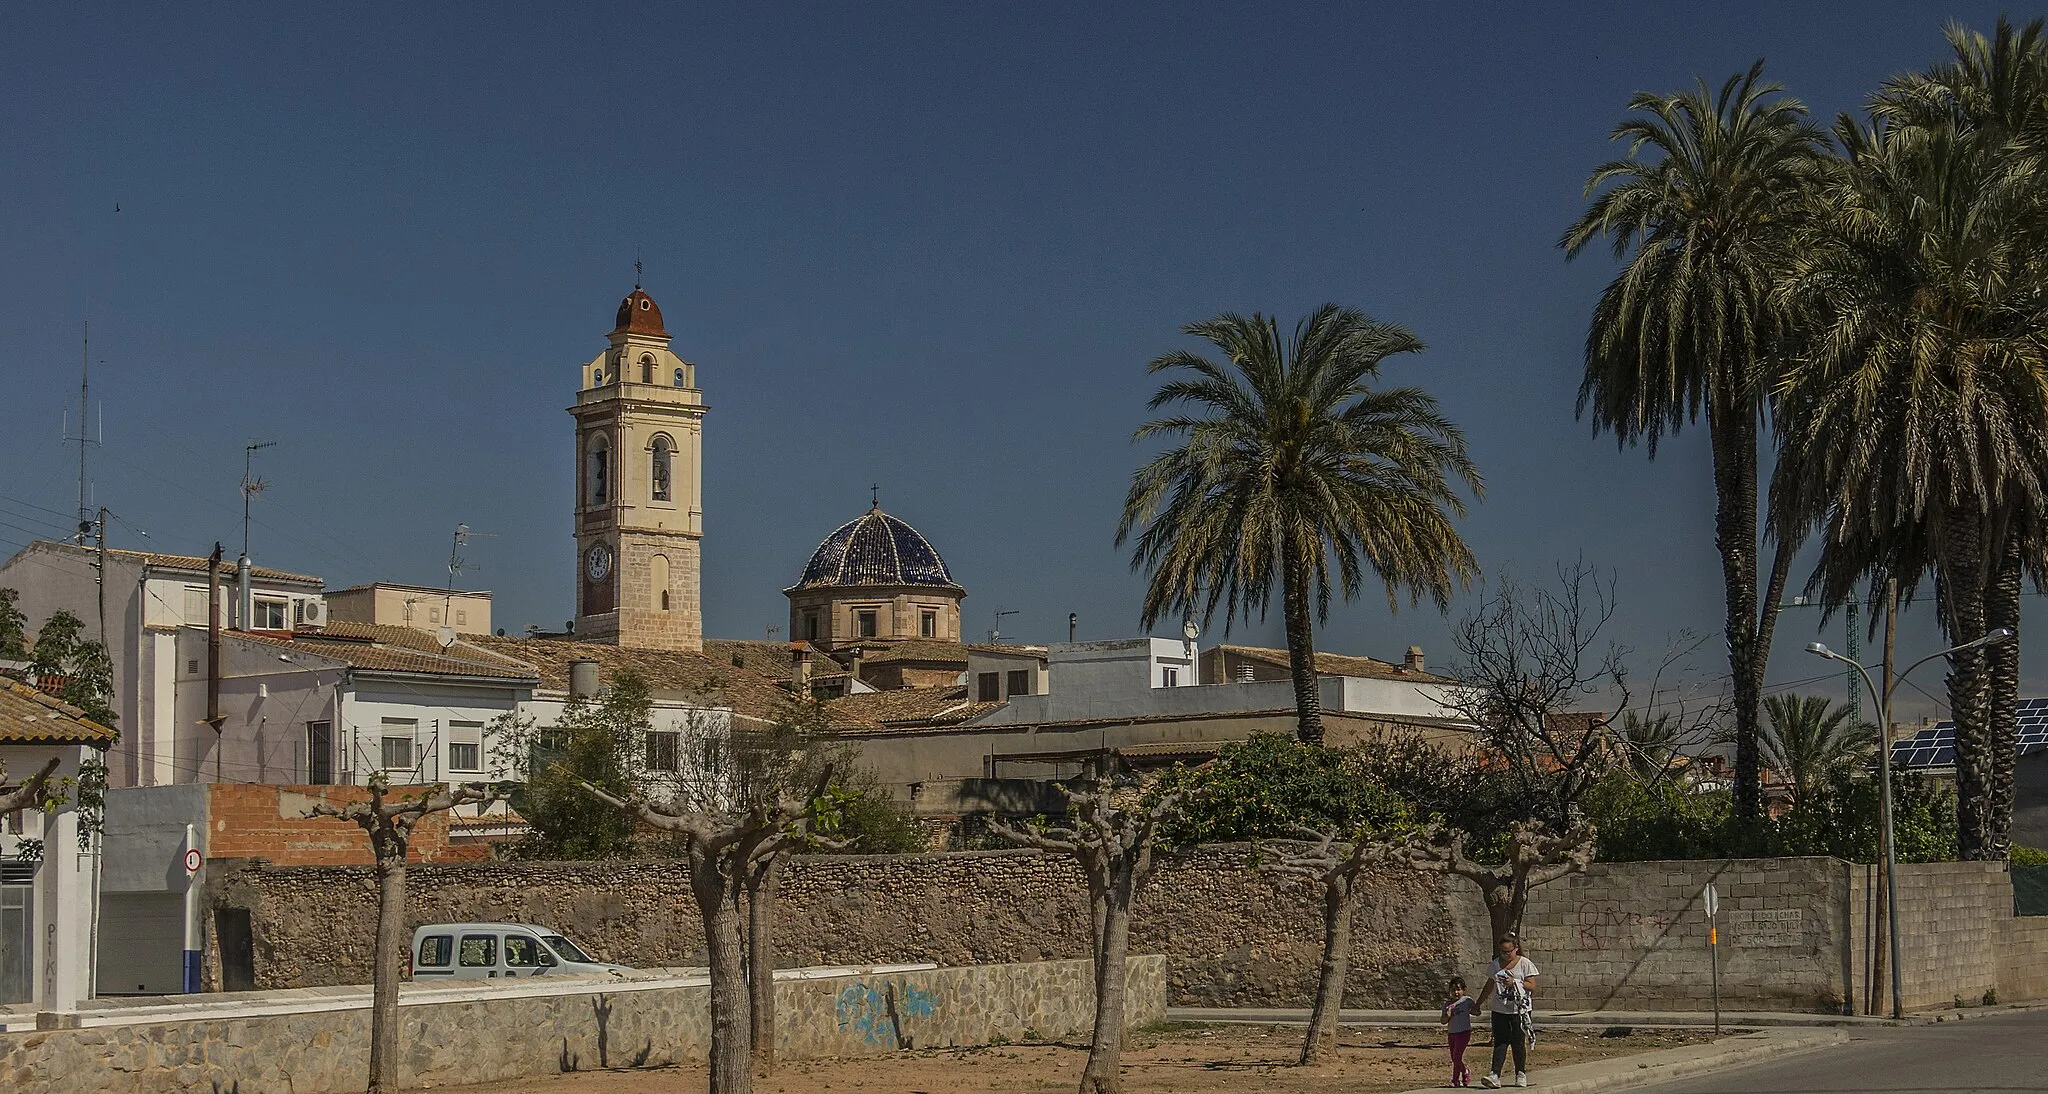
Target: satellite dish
x,y
1190,630
445,636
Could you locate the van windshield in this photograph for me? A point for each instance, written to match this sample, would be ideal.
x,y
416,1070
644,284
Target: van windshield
x,y
568,949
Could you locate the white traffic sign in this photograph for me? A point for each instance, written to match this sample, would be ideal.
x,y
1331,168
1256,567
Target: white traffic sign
x,y
1712,900
192,860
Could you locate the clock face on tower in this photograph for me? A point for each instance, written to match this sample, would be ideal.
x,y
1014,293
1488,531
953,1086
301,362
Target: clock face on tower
x,y
597,562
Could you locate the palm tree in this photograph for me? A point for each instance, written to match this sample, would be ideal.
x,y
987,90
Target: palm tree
x,y
1922,411
1704,222
1808,739
1291,466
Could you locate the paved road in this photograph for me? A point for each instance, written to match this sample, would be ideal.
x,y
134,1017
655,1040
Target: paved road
x,y
1993,1055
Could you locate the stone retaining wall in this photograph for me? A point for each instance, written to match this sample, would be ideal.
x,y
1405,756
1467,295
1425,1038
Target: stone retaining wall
x,y
496,1031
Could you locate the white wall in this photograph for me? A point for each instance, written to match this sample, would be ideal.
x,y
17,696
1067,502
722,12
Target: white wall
x,y
62,902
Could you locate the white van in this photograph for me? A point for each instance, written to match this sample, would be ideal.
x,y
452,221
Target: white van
x,y
487,951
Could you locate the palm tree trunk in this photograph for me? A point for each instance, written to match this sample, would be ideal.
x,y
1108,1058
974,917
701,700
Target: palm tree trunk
x,y
1969,695
1301,643
1322,1022
391,942
2002,671
1733,429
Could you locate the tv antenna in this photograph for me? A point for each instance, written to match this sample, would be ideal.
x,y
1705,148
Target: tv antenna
x,y
251,485
995,635
84,436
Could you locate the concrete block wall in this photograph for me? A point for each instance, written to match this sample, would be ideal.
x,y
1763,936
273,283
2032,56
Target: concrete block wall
x,y
1953,924
314,1043
2023,960
1633,936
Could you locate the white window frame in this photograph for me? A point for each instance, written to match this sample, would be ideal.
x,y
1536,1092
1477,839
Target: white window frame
x,y
466,735
259,616
394,729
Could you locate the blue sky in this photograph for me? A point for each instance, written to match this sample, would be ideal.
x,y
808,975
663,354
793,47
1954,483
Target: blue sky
x,y
929,246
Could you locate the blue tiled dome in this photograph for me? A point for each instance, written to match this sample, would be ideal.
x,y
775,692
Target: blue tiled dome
x,y
875,549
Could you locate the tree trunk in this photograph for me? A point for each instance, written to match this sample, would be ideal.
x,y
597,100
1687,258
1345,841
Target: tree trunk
x,y
1733,428
1329,1002
731,1056
1104,1071
1301,642
391,943
1962,573
2002,672
765,882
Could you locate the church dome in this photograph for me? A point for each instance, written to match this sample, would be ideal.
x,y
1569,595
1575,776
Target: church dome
x,y
875,549
638,314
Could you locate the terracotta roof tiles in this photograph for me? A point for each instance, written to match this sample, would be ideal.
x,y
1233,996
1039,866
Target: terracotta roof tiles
x,y
29,716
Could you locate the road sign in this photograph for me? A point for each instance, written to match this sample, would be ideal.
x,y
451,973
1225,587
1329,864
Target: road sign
x,y
192,860
1712,900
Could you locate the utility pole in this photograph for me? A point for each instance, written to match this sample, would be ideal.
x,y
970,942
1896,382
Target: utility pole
x,y
1889,894
104,644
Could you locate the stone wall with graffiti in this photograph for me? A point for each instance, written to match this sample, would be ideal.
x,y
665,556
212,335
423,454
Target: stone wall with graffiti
x,y
496,1031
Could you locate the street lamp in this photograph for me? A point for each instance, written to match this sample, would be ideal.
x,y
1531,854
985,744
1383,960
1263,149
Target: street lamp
x,y
1883,699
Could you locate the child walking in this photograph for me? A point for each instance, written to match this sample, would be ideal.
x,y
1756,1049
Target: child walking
x,y
1458,1016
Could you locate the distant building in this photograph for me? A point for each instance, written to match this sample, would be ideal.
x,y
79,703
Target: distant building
x,y
416,606
47,910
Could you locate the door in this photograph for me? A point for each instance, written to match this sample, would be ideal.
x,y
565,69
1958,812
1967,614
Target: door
x,y
320,753
142,944
237,949
17,932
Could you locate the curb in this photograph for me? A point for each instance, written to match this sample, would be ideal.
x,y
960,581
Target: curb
x,y
1677,1063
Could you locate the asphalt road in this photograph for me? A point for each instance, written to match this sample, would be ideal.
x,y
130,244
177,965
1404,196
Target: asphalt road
x,y
1997,1053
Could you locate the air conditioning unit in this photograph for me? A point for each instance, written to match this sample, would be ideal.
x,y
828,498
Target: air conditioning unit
x,y
313,613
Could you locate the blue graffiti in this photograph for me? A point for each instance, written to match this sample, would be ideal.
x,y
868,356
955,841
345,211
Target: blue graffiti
x,y
874,1012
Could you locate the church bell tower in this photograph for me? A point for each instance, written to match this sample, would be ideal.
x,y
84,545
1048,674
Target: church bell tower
x,y
639,489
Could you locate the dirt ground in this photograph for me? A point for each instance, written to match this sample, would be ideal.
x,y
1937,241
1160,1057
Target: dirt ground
x,y
1171,1060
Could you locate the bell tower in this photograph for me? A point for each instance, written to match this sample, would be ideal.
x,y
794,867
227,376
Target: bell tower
x,y
639,489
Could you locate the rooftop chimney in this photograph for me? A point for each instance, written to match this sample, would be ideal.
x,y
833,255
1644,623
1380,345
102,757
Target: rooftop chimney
x,y
800,670
858,653
1413,662
583,679
1246,673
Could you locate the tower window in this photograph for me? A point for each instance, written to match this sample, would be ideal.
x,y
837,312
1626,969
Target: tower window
x,y
597,473
647,368
679,379
810,627
663,457
657,575
866,624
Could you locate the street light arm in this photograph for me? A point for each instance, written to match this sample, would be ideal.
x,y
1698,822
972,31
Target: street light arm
x,y
1876,699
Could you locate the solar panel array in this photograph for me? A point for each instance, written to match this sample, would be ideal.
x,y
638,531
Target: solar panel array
x,y
1935,746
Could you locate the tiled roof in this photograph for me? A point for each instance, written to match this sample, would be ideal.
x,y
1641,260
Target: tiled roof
x,y
185,562
745,691
1008,651
770,659
928,650
875,549
29,716
907,707
1338,664
397,649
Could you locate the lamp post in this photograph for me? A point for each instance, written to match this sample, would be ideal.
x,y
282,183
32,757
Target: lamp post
x,y
1883,699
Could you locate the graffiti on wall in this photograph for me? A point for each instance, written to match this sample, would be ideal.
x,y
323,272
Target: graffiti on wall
x,y
1605,926
876,1012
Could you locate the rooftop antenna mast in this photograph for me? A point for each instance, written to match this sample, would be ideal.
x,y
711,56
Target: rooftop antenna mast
x,y
84,436
251,485
995,635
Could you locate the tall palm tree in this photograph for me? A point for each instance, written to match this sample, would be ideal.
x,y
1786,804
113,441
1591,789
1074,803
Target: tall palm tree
x,y
1809,738
1702,210
1291,466
1922,411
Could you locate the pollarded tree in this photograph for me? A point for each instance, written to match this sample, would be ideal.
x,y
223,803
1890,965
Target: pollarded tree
x,y
1109,834
1292,468
1336,859
1705,211
1535,856
389,822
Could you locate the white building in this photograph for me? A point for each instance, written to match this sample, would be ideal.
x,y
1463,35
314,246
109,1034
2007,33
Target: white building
x,y
47,906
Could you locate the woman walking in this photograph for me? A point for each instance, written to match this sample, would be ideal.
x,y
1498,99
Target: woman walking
x,y
1511,985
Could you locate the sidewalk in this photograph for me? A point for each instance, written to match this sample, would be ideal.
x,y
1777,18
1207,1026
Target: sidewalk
x,y
1730,1020
1676,1063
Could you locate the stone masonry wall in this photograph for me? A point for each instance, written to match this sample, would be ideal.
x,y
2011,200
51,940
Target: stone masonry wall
x,y
498,1031
1233,936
